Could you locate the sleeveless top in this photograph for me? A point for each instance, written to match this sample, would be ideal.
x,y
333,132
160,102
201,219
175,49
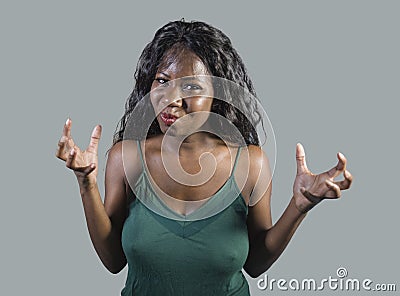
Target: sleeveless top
x,y
171,257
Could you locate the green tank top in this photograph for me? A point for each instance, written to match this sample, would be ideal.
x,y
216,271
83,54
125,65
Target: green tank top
x,y
174,257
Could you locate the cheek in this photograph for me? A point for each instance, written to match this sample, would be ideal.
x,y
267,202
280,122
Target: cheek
x,y
201,104
155,100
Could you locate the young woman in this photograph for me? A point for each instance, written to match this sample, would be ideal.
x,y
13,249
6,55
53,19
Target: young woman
x,y
186,224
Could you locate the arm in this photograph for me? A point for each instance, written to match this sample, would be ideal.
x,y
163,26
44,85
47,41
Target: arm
x,y
104,221
267,242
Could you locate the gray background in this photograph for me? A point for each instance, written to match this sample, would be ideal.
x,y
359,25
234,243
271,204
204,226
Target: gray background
x,y
326,72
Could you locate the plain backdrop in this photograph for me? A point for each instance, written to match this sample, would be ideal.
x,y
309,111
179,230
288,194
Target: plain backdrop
x,y
327,73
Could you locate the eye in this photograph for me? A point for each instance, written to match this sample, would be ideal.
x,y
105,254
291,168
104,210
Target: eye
x,y
161,81
191,87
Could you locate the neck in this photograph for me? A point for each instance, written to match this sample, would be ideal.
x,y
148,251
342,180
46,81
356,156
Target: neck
x,y
199,141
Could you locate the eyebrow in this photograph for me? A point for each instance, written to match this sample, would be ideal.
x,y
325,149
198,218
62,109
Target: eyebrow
x,y
165,74
198,78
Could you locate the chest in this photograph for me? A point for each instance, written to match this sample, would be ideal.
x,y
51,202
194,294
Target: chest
x,y
218,243
194,178
188,178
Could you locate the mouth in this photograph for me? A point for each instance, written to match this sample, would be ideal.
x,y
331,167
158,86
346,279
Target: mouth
x,y
168,118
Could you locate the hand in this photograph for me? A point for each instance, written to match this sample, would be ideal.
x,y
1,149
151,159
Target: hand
x,y
310,189
83,163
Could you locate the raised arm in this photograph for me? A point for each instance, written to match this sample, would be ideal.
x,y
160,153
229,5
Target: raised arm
x,y
104,221
267,242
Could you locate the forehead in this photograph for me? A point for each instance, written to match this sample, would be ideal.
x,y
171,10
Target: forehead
x,y
180,63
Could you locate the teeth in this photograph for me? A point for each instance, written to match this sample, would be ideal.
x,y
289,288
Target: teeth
x,y
169,116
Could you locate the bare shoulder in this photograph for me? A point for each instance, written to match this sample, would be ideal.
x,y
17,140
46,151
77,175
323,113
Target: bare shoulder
x,y
248,170
122,171
124,160
115,153
259,177
256,153
257,160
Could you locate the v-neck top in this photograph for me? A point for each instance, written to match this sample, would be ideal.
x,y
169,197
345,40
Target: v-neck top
x,y
182,255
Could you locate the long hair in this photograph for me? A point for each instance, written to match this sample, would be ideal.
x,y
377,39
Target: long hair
x,y
215,50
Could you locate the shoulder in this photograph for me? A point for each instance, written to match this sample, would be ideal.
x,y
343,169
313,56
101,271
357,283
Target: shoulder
x,y
131,150
259,173
115,152
123,157
122,149
257,158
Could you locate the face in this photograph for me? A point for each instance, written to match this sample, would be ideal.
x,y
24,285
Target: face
x,y
181,95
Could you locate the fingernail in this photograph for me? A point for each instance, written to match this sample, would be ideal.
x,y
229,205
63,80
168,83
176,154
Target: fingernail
x,y
72,152
67,121
341,155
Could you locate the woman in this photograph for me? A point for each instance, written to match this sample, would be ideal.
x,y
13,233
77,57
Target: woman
x,y
185,228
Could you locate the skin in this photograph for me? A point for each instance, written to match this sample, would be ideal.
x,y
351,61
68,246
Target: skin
x,y
105,221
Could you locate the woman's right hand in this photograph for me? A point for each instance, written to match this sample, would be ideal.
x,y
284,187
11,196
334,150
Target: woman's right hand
x,y
83,163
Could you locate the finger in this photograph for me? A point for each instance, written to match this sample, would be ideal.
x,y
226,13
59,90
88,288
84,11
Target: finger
x,y
70,164
60,148
70,159
64,147
339,168
67,128
301,159
334,190
70,144
312,198
94,139
90,168
348,176
346,183
64,140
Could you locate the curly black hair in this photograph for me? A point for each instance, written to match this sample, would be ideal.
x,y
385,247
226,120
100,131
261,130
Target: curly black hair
x,y
215,50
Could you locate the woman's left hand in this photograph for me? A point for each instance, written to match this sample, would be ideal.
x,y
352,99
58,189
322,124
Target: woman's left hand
x,y
310,189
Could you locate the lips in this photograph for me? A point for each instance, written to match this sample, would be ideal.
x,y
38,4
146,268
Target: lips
x,y
168,118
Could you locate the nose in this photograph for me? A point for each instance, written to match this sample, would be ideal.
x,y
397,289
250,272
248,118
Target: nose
x,y
173,98
176,102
